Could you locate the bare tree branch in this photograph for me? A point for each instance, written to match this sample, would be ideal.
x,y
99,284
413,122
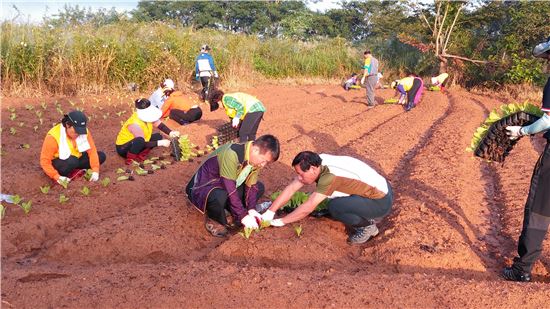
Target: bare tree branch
x,y
451,28
463,58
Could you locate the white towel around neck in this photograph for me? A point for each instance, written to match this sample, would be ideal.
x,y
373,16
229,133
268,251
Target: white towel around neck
x,y
64,148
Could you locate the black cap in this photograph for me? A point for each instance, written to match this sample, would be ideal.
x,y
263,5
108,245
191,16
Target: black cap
x,y
78,120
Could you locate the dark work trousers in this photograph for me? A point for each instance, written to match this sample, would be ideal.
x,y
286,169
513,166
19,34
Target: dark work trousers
x,y
183,117
205,86
218,200
536,217
249,126
358,211
137,145
412,93
65,167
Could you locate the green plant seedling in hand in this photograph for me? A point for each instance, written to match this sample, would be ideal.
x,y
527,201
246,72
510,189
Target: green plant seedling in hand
x,y
88,174
265,224
85,191
247,231
105,181
45,189
63,198
298,230
64,184
16,199
26,206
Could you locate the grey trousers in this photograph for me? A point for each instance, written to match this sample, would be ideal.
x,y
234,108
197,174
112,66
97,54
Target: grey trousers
x,y
370,84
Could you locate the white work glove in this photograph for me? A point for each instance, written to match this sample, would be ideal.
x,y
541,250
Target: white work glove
x,y
255,214
216,74
363,80
164,143
268,215
277,222
174,134
94,177
401,99
250,222
513,132
63,179
235,122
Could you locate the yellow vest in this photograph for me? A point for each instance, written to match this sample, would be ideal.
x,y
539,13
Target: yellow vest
x,y
407,83
124,136
56,133
244,99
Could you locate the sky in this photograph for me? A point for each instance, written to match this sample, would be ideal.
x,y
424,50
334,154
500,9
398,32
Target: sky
x,y
33,10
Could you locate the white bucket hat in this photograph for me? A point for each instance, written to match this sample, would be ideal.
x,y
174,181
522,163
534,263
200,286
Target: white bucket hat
x,y
168,84
541,48
147,112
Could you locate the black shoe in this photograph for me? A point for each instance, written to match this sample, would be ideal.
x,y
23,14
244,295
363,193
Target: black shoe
x,y
513,274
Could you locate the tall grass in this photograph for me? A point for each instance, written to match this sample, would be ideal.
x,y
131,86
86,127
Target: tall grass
x,y
87,59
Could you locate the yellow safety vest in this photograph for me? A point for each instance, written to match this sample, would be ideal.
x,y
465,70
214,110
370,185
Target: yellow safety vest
x,y
124,136
56,133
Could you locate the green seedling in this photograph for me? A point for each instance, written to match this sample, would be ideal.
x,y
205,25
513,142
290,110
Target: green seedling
x,y
88,174
11,109
21,124
64,183
147,161
155,167
45,189
38,113
13,116
298,230
120,171
13,131
247,231
44,105
123,178
35,128
2,211
72,103
29,107
25,146
265,224
60,111
154,159
85,191
141,172
63,198
105,181
16,199
26,206
119,114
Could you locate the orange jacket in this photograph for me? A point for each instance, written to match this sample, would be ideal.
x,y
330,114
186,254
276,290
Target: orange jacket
x,y
50,150
177,100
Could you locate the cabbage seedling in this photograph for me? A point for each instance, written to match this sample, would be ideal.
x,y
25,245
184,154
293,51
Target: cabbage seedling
x,y
298,230
64,183
13,131
29,107
44,105
247,231
45,189
63,198
16,199
13,116
26,206
35,128
85,191
105,181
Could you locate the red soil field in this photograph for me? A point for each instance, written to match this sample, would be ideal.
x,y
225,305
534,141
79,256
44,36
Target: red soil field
x,y
140,244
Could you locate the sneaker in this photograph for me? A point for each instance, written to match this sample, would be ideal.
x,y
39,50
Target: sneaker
x,y
360,235
512,274
215,228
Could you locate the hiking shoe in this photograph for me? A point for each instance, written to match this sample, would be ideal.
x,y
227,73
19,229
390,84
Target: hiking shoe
x,y
360,235
512,274
215,228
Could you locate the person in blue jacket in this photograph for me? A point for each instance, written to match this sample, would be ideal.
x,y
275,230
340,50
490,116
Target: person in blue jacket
x,y
205,69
